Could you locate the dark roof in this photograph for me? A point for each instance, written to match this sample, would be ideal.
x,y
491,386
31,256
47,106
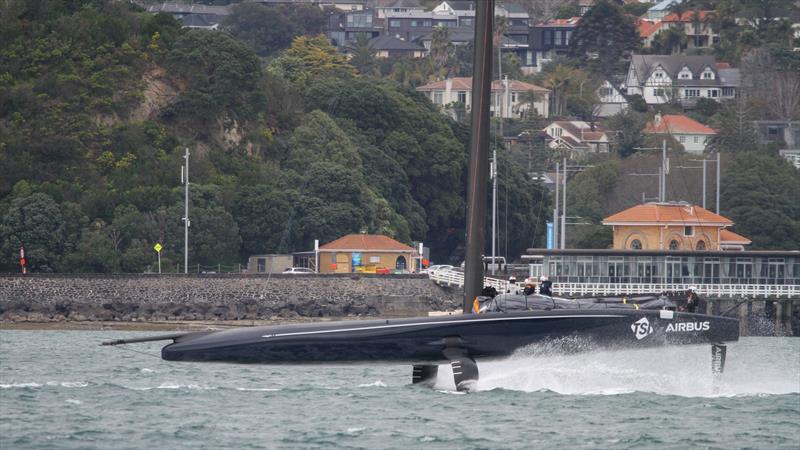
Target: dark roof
x,y
200,20
184,8
672,64
391,43
513,8
403,4
461,5
465,34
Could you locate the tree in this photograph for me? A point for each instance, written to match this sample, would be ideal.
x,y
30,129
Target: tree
x,y
319,139
604,38
36,223
362,56
762,207
628,125
262,213
310,56
441,47
735,130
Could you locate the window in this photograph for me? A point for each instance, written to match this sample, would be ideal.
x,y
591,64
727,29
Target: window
x,y
262,265
394,23
513,97
414,23
685,74
568,37
697,139
437,98
673,245
701,245
707,75
462,97
636,244
688,231
728,92
683,139
692,93
658,75
548,37
555,132
713,93
658,92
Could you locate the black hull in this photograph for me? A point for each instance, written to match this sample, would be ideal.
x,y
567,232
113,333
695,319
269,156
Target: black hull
x,y
425,339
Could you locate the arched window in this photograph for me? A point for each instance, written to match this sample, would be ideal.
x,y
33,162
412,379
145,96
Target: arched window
x,y
673,245
400,263
636,244
701,245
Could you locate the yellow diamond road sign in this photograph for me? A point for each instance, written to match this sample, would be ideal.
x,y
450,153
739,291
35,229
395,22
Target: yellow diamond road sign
x,y
158,247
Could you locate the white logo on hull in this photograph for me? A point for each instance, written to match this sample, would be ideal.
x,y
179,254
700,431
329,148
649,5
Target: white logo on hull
x,y
688,326
641,328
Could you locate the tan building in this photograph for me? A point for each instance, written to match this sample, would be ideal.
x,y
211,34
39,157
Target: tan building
x,y
508,96
366,253
673,226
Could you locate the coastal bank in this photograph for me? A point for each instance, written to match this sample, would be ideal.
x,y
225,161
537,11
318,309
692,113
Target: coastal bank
x,y
217,297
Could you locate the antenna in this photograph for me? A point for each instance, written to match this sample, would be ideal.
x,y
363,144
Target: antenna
x,y
186,222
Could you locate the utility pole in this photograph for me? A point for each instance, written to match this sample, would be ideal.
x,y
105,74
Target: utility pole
x,y
186,223
718,171
555,212
664,170
564,208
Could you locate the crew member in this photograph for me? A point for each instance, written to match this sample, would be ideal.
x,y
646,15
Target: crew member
x,y
512,285
692,299
530,287
544,287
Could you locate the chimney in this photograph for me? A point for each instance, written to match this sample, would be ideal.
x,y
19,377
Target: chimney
x,y
448,84
657,120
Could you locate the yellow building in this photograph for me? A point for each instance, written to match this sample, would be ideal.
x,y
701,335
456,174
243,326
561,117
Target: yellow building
x,y
673,226
366,253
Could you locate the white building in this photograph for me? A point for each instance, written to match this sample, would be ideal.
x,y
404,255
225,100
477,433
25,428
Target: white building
x,y
666,78
578,137
611,100
693,135
510,96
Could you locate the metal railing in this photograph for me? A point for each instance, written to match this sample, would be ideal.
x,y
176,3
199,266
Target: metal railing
x,y
455,278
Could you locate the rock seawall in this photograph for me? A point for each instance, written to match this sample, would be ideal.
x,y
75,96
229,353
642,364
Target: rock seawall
x,y
53,298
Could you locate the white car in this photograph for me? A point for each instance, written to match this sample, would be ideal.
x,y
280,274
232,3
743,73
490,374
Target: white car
x,y
298,270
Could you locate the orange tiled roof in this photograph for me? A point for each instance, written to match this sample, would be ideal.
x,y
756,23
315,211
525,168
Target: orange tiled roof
x,y
647,28
687,16
677,123
729,237
723,65
366,242
465,84
667,213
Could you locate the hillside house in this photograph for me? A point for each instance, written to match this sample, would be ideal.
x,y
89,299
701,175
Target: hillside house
x,y
693,135
578,137
611,100
667,78
510,96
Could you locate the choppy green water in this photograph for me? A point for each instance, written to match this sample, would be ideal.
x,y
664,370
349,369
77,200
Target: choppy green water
x,y
60,389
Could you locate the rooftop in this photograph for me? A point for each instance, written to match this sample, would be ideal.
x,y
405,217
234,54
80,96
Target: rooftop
x,y
676,123
667,213
366,242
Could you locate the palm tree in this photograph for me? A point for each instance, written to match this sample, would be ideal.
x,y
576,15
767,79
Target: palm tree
x,y
441,48
362,56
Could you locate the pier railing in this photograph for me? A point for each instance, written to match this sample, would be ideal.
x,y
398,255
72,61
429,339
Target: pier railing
x,y
787,291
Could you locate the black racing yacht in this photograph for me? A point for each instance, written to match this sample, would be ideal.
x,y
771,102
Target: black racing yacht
x,y
490,327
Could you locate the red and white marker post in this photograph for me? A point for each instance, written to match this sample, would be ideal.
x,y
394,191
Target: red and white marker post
x,y
22,260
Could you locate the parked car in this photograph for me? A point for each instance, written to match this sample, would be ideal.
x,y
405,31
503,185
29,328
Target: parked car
x,y
298,270
383,270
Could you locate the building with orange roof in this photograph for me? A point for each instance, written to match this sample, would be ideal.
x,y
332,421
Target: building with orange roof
x,y
366,253
451,93
696,25
693,135
672,226
648,29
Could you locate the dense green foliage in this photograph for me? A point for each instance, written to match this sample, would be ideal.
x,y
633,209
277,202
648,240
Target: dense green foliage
x,y
98,102
604,37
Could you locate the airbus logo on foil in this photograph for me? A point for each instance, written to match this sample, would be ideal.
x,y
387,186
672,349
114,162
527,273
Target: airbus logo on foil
x,y
641,328
688,326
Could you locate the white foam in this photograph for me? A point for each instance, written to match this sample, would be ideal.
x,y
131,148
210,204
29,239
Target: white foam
x,y
355,430
73,401
258,389
378,383
184,386
20,385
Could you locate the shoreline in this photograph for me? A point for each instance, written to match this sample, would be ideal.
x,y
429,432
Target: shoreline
x,y
160,325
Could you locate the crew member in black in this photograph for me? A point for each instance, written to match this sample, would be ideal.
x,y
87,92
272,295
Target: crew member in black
x,y
530,287
544,287
692,299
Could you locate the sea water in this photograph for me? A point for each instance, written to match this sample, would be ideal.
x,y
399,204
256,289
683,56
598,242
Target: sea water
x,y
62,390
